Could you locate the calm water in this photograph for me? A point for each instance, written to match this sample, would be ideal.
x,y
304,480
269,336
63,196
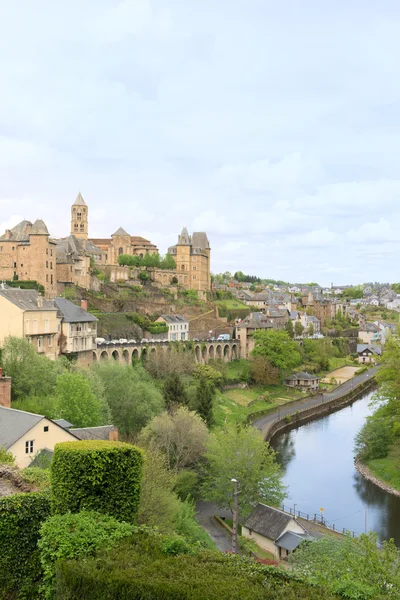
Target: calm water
x,y
319,471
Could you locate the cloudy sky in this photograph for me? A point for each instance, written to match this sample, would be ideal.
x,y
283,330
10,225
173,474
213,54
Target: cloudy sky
x,y
273,126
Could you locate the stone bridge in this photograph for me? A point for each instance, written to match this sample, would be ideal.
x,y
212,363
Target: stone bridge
x,y
203,351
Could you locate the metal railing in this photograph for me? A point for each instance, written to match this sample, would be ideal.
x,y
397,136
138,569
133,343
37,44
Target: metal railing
x,y
318,519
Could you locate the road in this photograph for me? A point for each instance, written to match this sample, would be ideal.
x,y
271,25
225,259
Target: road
x,y
205,516
312,401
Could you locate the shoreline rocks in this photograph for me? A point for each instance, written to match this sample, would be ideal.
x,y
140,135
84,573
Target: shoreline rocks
x,y
367,473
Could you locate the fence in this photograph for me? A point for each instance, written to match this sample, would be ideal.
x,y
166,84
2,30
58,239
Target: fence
x,y
318,519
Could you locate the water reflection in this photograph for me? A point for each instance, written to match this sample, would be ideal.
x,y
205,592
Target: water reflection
x,y
317,459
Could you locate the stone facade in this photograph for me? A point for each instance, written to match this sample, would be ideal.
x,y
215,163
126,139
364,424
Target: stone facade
x,y
28,253
122,242
192,257
5,390
80,218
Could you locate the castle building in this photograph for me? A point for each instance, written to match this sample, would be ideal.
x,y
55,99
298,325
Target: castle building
x,y
122,242
28,253
192,257
75,260
80,218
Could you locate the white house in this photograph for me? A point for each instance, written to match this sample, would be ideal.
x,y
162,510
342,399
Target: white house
x,y
178,327
79,330
367,353
274,530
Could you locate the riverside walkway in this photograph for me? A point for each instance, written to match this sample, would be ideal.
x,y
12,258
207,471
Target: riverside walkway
x,y
264,423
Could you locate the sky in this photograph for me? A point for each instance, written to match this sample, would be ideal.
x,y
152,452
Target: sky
x,y
273,126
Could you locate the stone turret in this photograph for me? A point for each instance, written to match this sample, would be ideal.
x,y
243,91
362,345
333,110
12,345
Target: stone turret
x,y
80,218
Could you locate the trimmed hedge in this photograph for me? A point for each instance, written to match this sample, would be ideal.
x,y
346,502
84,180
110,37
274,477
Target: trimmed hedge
x,y
21,517
132,571
76,536
97,475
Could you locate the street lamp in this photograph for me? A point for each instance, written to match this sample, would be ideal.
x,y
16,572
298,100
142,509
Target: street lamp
x,y
235,516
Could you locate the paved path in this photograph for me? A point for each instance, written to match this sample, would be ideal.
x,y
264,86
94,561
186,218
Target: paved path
x,y
312,401
205,516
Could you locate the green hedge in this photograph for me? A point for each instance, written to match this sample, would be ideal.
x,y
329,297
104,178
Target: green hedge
x,y
21,517
26,285
95,475
134,572
76,536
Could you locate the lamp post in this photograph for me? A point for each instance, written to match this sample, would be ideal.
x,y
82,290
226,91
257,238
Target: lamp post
x,y
235,516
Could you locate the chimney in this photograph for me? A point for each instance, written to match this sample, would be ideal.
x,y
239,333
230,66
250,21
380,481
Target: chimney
x,y
5,390
40,301
84,304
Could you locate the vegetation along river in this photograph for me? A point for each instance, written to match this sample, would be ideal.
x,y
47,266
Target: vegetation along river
x,y
318,461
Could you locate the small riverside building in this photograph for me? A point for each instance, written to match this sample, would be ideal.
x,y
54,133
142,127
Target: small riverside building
x,y
303,381
274,530
178,327
368,353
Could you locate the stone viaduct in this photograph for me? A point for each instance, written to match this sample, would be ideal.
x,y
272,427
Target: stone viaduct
x,y
203,351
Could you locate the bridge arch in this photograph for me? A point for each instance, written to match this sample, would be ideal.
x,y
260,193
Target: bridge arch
x,y
94,357
115,355
211,351
227,351
135,354
104,355
204,354
197,354
219,351
125,356
235,355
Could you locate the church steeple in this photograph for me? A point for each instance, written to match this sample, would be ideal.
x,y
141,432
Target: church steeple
x,y
79,218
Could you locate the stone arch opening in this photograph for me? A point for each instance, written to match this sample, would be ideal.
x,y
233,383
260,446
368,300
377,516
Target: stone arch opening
x,y
204,353
115,355
143,356
183,267
153,351
120,251
104,355
234,352
226,352
211,351
135,355
125,355
197,352
219,351
94,356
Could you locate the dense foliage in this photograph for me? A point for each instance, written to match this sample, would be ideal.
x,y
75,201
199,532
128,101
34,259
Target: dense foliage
x,y
204,400
174,392
149,260
75,536
93,475
281,351
241,453
351,567
21,517
149,567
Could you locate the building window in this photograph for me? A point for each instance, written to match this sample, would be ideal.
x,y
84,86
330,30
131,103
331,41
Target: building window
x,y
194,276
82,227
120,251
46,428
194,268
39,342
47,250
51,252
47,264
78,216
51,279
15,265
47,279
47,325
29,447
51,265
35,326
49,340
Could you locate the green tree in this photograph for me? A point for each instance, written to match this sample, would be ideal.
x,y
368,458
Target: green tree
x,y
205,400
168,262
181,437
174,392
311,330
282,352
241,453
298,329
262,372
126,260
131,394
147,260
350,567
31,373
143,276
289,329
208,372
76,402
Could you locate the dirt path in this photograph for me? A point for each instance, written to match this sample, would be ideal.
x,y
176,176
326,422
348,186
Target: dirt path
x,y
205,516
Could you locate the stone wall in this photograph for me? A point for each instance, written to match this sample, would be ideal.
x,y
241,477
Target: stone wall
x,y
5,390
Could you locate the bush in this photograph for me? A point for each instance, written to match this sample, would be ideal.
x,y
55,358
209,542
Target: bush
x,y
21,517
75,536
36,476
95,475
136,570
186,525
6,458
186,484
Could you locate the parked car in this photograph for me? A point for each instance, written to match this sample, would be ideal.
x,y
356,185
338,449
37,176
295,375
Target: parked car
x,y
144,341
100,341
114,342
132,342
123,341
224,337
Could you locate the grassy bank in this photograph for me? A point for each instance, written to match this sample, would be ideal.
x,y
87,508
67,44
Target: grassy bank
x,y
388,469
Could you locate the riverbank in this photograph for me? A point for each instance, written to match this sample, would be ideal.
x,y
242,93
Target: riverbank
x,y
368,474
303,411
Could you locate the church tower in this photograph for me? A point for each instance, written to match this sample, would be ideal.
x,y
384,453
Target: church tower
x,y
79,218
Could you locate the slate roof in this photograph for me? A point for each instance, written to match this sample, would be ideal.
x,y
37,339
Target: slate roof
x,y
301,375
374,349
18,233
93,433
71,248
26,299
72,313
290,540
63,423
39,228
14,424
200,240
267,521
79,201
174,318
256,320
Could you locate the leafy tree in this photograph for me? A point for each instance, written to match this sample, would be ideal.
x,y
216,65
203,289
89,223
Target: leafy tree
x,y
131,394
143,276
174,392
162,364
148,260
241,453
76,402
168,262
375,437
181,437
205,401
262,372
126,260
311,330
282,352
31,373
298,329
208,372
350,567
289,328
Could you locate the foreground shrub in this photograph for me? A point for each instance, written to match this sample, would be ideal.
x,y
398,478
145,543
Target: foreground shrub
x,y
21,517
141,569
94,475
6,458
75,536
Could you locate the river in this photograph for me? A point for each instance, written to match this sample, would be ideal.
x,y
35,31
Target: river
x,y
317,459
